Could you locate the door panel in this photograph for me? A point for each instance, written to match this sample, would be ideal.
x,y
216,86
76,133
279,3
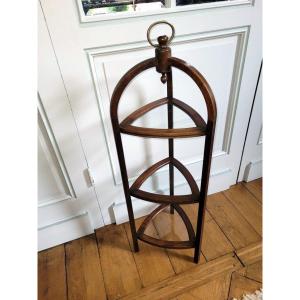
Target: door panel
x,y
53,183
223,43
67,203
251,165
60,215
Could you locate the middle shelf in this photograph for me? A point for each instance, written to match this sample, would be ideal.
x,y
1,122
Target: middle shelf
x,y
135,190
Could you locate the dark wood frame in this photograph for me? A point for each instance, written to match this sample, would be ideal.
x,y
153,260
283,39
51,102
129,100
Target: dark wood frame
x,y
164,62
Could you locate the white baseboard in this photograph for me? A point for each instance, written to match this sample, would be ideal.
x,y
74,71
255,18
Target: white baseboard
x,y
219,181
64,230
253,170
140,208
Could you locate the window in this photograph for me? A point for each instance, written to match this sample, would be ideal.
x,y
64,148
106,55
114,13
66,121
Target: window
x,y
98,7
96,10
188,2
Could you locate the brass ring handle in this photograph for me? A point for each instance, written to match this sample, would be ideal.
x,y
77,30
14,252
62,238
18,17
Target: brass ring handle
x,y
157,23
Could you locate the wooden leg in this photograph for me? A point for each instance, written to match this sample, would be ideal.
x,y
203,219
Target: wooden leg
x,y
204,187
124,175
132,225
198,239
196,255
171,176
171,209
171,141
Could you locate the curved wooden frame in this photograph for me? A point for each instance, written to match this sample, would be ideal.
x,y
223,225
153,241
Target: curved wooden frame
x,y
164,243
199,130
163,64
173,62
158,198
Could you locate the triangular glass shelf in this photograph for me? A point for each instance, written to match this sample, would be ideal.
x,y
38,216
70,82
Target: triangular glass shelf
x,y
199,130
190,243
135,190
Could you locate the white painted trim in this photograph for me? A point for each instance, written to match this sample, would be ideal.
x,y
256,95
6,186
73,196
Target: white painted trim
x,y
54,201
52,140
251,162
239,62
241,32
58,222
64,230
260,138
253,170
142,208
165,11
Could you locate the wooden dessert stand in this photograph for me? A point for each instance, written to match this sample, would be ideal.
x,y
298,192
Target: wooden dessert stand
x,y
164,62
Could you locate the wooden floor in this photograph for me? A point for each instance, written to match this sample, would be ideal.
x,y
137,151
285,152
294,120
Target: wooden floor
x,y
103,266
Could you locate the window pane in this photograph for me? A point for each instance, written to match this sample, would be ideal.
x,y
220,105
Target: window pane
x,y
98,7
188,2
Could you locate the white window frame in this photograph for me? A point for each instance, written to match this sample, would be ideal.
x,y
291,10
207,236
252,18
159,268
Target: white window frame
x,y
172,9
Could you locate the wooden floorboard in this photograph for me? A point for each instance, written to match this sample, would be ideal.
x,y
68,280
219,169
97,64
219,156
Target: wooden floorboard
x,y
254,271
103,266
250,254
247,205
186,281
52,274
84,272
214,242
153,263
217,289
120,273
233,224
255,187
171,227
246,279
241,285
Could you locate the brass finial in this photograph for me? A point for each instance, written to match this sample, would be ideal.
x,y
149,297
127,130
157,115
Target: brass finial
x,y
162,51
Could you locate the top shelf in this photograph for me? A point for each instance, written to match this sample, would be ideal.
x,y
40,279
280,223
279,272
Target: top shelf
x,y
198,130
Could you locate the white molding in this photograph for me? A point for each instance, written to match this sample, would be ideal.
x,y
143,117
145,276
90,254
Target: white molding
x,y
164,11
260,137
253,170
251,162
58,156
241,32
64,230
239,62
54,201
142,208
60,221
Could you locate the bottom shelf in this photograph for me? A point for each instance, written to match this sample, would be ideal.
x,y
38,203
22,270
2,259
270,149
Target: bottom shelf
x,y
190,243
166,244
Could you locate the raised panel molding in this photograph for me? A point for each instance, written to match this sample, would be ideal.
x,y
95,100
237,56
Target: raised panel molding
x,y
103,97
55,162
260,137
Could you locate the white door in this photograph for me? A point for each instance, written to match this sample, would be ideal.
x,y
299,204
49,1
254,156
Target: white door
x,y
67,203
222,40
251,164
